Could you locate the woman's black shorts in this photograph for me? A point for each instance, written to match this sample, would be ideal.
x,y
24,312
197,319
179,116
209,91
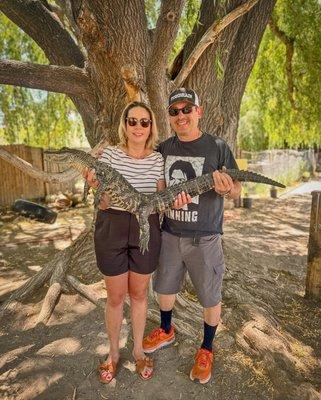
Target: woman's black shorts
x,y
117,243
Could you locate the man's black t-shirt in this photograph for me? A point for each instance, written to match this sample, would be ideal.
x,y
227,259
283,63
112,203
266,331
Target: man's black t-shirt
x,y
186,160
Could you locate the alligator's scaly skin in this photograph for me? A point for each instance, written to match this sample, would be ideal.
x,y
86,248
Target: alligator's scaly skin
x,y
124,195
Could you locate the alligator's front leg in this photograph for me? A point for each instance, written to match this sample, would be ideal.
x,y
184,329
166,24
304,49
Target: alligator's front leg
x,y
143,234
99,192
144,228
86,191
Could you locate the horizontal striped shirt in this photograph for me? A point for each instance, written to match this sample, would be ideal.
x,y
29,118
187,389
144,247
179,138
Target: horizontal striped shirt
x,y
143,174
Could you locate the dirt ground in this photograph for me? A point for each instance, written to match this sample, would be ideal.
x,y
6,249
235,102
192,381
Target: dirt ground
x,y
267,347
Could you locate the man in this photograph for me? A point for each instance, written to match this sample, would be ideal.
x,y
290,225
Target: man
x,y
191,238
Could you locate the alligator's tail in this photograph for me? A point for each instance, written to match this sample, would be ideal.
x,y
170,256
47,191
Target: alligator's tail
x,y
77,159
249,176
164,199
60,156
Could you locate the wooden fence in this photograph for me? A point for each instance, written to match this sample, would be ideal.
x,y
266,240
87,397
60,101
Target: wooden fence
x,y
14,184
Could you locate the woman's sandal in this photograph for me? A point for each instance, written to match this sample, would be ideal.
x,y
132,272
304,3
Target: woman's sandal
x,y
107,371
145,368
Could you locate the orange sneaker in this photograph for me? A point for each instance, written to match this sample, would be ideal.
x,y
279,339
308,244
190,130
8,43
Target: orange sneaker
x,y
157,339
202,368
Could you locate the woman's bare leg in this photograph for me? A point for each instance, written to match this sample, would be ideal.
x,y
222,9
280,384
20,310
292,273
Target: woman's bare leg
x,y
117,287
137,289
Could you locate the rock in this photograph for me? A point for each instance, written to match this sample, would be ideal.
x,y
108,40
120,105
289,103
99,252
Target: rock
x,y
62,201
186,348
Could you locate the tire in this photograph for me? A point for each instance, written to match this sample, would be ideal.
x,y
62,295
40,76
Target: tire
x,y
34,211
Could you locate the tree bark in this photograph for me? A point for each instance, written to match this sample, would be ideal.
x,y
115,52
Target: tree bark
x,y
71,80
240,64
157,81
209,37
44,27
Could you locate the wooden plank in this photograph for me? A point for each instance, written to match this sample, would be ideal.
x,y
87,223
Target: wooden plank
x,y
52,188
313,280
14,183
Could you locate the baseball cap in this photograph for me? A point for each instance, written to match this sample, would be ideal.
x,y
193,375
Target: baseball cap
x,y
183,94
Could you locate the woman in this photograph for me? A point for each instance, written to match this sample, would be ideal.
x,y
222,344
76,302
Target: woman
x,y
119,259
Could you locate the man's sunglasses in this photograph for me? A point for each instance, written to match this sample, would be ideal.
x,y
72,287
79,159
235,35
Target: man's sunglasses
x,y
173,112
144,122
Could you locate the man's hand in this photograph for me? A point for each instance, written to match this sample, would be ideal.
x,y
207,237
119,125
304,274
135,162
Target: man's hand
x,y
181,200
223,183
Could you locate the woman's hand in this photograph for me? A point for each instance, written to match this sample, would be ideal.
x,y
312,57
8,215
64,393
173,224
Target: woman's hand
x,y
104,201
181,200
89,175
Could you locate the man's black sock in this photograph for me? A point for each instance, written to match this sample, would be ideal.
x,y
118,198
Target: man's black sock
x,y
166,320
209,333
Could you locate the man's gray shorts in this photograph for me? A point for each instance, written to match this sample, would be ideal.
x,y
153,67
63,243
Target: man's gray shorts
x,y
203,261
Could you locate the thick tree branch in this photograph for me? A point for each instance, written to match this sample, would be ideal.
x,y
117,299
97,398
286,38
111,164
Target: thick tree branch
x,y
209,37
43,26
166,31
209,11
239,66
289,46
66,16
157,81
69,80
35,173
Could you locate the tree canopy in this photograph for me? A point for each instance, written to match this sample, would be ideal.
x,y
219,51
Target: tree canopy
x,y
104,54
281,106
30,116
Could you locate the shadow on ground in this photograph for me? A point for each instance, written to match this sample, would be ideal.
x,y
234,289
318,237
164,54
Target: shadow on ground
x,y
268,345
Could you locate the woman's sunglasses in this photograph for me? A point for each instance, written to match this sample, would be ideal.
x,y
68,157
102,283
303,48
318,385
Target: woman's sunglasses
x,y
173,112
144,122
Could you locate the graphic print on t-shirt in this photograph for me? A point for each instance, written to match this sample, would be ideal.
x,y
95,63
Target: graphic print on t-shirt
x,y
180,169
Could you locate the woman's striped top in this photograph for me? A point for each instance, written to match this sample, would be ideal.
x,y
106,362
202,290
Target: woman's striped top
x,y
142,173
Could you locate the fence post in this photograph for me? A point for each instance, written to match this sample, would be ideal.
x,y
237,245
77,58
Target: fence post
x,y
313,280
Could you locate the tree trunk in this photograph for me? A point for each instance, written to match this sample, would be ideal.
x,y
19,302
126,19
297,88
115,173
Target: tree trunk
x,y
112,58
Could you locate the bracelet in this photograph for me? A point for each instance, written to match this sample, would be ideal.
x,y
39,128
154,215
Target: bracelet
x,y
226,193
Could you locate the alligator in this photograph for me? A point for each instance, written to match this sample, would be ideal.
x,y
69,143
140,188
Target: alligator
x,y
122,194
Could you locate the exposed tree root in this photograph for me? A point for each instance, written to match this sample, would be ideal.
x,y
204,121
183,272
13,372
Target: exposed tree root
x,y
49,303
30,287
188,309
180,326
71,258
262,338
83,290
